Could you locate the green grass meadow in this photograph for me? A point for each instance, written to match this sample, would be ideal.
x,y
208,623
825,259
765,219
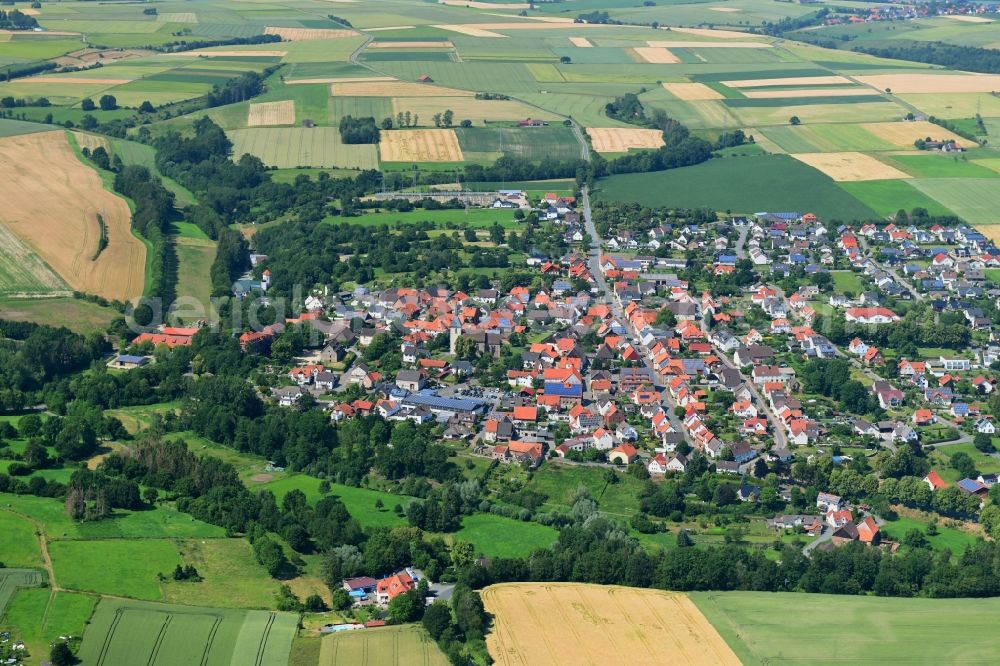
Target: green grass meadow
x,y
497,536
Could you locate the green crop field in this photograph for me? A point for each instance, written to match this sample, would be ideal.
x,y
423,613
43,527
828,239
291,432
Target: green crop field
x,y
749,188
288,147
975,200
74,314
825,138
535,143
129,632
406,645
781,628
360,502
942,166
497,536
886,197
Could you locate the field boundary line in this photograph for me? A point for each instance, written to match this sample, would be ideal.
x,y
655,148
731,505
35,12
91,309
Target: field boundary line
x,y
110,636
263,640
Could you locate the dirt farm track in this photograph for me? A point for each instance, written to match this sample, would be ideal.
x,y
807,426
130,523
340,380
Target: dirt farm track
x,y
51,201
536,624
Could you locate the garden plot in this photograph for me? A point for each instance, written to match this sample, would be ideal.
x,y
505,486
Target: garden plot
x,y
271,113
429,145
850,166
621,139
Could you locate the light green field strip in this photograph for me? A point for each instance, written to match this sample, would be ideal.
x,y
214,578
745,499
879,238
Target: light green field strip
x,y
976,200
22,270
764,627
288,147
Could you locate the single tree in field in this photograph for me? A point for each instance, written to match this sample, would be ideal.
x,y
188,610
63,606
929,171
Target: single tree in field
x,y
565,60
795,120
61,655
387,123
399,119
447,117
146,107
408,118
88,104
437,119
466,123
108,103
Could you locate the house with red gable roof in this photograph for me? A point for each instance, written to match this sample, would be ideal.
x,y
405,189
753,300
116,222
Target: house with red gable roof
x,y
934,481
389,588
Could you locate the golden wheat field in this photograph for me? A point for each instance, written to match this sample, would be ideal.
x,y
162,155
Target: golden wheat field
x,y
850,166
537,624
421,145
788,81
692,92
271,113
933,83
621,139
51,201
304,34
581,42
904,133
656,55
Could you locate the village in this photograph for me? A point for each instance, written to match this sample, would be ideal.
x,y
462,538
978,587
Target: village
x,y
619,361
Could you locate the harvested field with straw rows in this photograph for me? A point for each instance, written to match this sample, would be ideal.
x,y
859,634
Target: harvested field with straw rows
x,y
305,34
393,89
692,92
811,92
933,83
271,113
51,202
340,79
850,166
789,81
565,623
411,45
903,134
656,55
620,139
427,145
708,45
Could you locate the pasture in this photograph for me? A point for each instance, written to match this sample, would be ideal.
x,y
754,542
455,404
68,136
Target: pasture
x,y
11,580
127,632
19,546
51,202
565,623
764,627
124,567
38,617
450,218
497,536
290,147
360,502
76,315
404,645
750,187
